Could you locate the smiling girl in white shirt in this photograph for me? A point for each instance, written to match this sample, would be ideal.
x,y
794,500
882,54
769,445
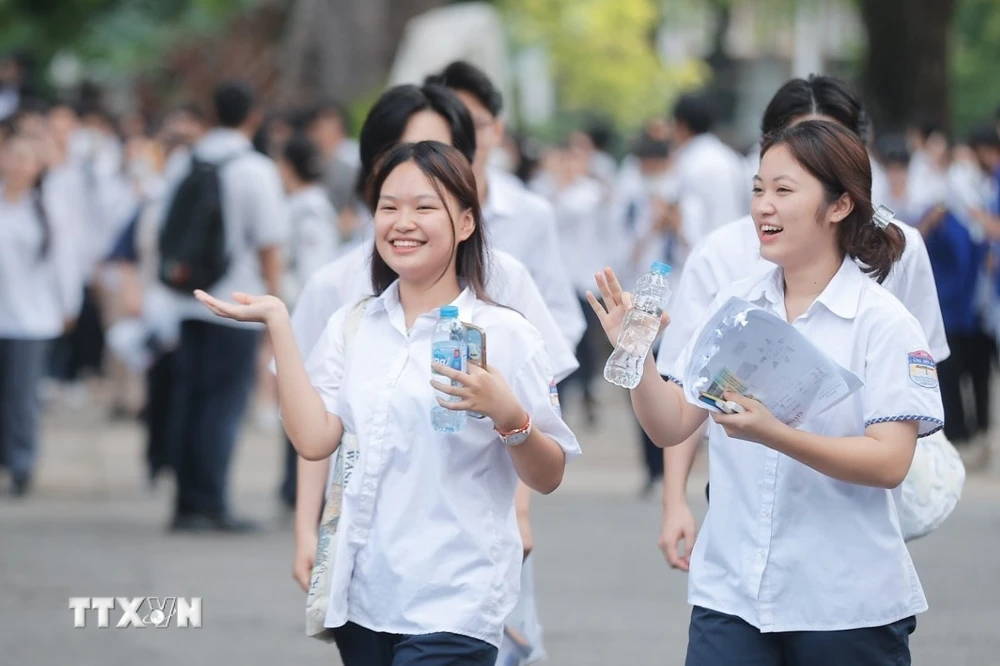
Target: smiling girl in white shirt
x,y
428,551
801,560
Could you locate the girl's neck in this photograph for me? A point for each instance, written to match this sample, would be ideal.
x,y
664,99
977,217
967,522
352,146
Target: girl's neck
x,y
14,193
418,299
297,186
804,283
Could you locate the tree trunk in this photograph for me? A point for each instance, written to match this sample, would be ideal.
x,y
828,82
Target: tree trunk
x,y
343,48
906,73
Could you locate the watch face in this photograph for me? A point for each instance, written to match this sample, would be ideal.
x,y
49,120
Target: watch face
x,y
519,438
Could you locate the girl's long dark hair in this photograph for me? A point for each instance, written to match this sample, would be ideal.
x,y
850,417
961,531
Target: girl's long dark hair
x,y
37,195
42,213
449,172
835,156
387,120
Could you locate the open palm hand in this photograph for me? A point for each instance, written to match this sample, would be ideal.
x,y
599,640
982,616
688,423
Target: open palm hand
x,y
244,307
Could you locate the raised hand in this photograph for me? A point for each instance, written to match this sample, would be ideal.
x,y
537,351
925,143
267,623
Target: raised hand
x,y
616,303
245,307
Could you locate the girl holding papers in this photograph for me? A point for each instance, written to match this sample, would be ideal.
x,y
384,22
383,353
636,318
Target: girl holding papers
x,y
801,560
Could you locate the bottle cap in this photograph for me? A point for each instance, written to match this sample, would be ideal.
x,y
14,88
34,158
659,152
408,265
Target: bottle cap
x,y
449,312
660,268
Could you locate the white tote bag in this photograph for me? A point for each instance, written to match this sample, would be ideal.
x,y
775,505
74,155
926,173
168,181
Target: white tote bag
x,y
932,487
343,460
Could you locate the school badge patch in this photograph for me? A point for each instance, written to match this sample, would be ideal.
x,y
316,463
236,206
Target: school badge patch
x,y
922,369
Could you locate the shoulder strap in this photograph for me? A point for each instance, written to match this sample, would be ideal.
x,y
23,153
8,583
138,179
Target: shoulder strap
x,y
352,325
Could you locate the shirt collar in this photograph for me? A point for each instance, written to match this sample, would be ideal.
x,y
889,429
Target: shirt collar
x,y
221,142
841,296
389,302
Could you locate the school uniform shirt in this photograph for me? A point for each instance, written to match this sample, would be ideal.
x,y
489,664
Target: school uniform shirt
x,y
313,239
253,211
428,539
785,547
732,253
346,280
713,173
580,209
523,224
38,293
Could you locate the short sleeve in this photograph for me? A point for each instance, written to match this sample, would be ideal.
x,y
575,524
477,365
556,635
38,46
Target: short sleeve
x,y
912,282
512,286
675,372
325,364
901,382
268,220
535,388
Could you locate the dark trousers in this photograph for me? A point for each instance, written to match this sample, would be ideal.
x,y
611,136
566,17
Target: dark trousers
x,y
586,355
22,367
717,639
971,356
214,369
290,481
363,647
158,412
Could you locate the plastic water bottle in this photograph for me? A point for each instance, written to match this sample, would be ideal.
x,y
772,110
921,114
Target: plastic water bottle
x,y
448,347
639,328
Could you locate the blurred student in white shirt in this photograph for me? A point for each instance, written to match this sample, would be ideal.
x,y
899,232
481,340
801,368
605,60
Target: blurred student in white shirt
x,y
518,221
40,295
706,168
312,219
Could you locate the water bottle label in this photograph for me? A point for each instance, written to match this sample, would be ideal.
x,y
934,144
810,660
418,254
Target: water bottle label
x,y
447,354
554,397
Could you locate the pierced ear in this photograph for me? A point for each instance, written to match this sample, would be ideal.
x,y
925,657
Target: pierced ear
x,y
466,225
842,207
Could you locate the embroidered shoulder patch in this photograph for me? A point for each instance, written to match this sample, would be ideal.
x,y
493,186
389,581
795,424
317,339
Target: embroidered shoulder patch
x,y
922,369
554,397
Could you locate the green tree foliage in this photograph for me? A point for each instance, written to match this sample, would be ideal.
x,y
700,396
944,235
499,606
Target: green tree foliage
x,y
975,58
603,55
115,34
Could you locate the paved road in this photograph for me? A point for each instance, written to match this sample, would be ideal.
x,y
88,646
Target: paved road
x,y
606,596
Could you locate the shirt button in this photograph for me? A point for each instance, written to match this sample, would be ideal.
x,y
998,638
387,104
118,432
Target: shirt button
x,y
766,513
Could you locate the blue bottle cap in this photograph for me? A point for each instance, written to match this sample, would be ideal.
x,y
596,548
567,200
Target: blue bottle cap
x,y
449,312
660,268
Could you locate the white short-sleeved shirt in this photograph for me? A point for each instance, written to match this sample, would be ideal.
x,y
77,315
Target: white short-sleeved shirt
x,y
313,238
732,253
38,292
523,224
347,279
428,539
785,547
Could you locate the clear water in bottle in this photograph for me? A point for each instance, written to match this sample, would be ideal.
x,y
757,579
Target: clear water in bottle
x,y
639,328
448,347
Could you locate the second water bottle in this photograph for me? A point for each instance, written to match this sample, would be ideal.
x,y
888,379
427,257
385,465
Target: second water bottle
x,y
639,328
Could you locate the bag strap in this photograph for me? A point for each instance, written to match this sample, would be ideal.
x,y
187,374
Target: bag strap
x,y
353,323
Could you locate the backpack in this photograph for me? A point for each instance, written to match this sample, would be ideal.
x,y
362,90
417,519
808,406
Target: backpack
x,y
192,246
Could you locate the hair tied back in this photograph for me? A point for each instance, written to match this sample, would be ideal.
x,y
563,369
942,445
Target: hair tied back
x,y
883,216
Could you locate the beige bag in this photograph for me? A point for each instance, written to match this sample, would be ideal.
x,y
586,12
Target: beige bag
x,y
343,461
